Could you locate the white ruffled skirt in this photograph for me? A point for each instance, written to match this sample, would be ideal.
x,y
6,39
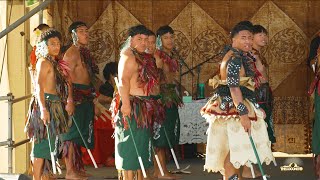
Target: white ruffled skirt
x,y
225,133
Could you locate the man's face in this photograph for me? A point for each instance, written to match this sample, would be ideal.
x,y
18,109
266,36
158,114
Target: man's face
x,y
167,41
243,41
151,47
260,39
83,35
53,46
139,42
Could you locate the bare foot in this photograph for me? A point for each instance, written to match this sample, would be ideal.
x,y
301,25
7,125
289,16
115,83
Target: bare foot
x,y
246,173
48,177
75,176
168,176
149,178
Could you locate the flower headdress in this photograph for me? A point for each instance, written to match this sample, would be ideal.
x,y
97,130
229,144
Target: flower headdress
x,y
42,49
159,42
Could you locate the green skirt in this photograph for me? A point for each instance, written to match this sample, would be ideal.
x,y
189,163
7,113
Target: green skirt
x,y
316,125
83,116
42,149
125,153
265,100
58,124
269,120
171,126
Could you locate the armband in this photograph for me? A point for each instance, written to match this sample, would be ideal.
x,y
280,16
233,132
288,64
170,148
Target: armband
x,y
242,109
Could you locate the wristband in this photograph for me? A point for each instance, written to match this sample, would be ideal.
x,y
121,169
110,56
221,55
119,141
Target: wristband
x,y
242,109
69,101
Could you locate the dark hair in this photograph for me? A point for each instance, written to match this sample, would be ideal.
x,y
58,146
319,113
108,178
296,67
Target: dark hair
x,y
246,23
259,29
314,45
239,27
41,27
138,29
110,68
164,30
50,33
151,33
75,25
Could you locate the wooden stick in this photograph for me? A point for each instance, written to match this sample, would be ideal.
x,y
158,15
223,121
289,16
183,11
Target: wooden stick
x,y
257,157
171,148
85,144
53,161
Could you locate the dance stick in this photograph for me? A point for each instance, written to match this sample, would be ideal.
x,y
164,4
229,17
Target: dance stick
x,y
171,149
252,171
53,161
59,168
158,161
257,157
275,162
85,143
134,142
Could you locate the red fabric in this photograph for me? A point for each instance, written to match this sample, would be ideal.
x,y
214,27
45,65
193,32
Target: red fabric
x,y
314,84
103,144
33,58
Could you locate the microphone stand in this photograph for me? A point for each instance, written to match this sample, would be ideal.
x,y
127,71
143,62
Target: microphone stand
x,y
181,63
198,67
203,62
198,80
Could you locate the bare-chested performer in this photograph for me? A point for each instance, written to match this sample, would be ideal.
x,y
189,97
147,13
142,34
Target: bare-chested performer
x,y
264,94
82,71
51,105
133,112
168,62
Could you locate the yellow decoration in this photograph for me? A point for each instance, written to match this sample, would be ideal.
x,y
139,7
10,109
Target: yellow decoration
x,y
37,32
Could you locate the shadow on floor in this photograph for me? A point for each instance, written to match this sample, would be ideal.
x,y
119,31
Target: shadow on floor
x,y
293,168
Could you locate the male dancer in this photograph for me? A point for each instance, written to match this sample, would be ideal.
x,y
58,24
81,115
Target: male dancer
x,y
51,105
314,63
167,61
137,77
264,94
233,113
159,115
82,70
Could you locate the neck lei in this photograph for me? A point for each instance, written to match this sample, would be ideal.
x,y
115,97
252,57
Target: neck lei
x,y
61,69
262,59
170,60
89,61
148,72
